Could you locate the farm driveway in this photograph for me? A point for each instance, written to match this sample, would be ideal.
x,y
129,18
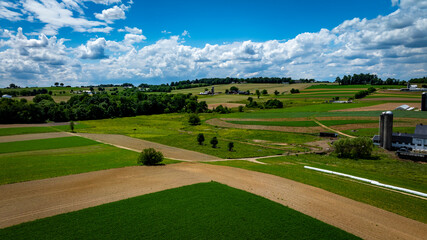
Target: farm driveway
x,y
27,201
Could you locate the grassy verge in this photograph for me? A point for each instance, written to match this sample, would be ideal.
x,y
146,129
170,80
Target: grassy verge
x,y
29,130
44,144
200,211
32,165
405,174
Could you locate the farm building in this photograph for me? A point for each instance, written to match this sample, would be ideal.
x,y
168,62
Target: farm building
x,y
6,96
416,141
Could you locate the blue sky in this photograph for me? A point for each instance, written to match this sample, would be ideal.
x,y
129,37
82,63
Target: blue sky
x,y
112,41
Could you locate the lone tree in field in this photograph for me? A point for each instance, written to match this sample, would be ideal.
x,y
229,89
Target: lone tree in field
x,y
72,126
276,92
264,92
194,119
150,156
200,138
230,146
214,142
258,93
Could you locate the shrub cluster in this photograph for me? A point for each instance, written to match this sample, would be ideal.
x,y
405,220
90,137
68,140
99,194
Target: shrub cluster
x,y
150,156
364,93
271,103
354,148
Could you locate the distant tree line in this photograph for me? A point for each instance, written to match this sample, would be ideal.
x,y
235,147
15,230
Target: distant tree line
x,y
98,106
25,92
368,78
418,80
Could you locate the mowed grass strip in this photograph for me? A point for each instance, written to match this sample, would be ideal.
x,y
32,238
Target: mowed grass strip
x,y
29,130
32,165
200,211
44,144
386,170
278,123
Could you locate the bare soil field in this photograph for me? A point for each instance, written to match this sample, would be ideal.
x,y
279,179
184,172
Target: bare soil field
x,y
380,107
229,105
28,201
35,136
52,124
221,123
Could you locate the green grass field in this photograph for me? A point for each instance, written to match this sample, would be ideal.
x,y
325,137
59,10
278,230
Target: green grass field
x,y
46,158
45,144
302,123
173,130
29,130
200,211
385,169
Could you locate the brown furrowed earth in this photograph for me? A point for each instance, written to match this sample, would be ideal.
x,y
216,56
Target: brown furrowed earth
x,y
28,201
34,136
52,124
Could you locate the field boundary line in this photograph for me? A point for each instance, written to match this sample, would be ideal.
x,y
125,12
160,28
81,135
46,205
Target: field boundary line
x,y
331,129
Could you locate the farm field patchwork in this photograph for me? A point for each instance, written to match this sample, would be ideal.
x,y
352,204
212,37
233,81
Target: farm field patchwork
x,y
205,210
46,158
386,169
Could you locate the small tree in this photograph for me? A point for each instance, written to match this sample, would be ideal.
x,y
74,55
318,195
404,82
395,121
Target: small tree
x,y
258,93
214,142
276,92
200,138
230,146
72,126
150,156
240,108
194,120
264,92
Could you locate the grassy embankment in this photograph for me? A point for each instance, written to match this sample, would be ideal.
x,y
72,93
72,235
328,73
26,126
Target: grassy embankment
x,y
200,211
385,169
46,158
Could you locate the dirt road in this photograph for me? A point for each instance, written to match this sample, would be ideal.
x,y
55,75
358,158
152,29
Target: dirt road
x,y
27,201
139,144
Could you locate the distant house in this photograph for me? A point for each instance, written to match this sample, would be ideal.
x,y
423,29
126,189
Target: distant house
x,y
6,96
405,108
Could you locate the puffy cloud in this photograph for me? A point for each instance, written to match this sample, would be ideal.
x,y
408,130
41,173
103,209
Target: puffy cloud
x,y
390,46
111,14
93,50
30,62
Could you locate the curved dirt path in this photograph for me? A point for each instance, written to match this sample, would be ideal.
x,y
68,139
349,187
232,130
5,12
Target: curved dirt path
x,y
137,145
28,201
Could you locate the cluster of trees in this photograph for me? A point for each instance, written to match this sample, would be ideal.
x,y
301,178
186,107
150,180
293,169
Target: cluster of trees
x,y
364,93
213,142
293,90
367,79
271,103
354,148
25,92
418,80
98,106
